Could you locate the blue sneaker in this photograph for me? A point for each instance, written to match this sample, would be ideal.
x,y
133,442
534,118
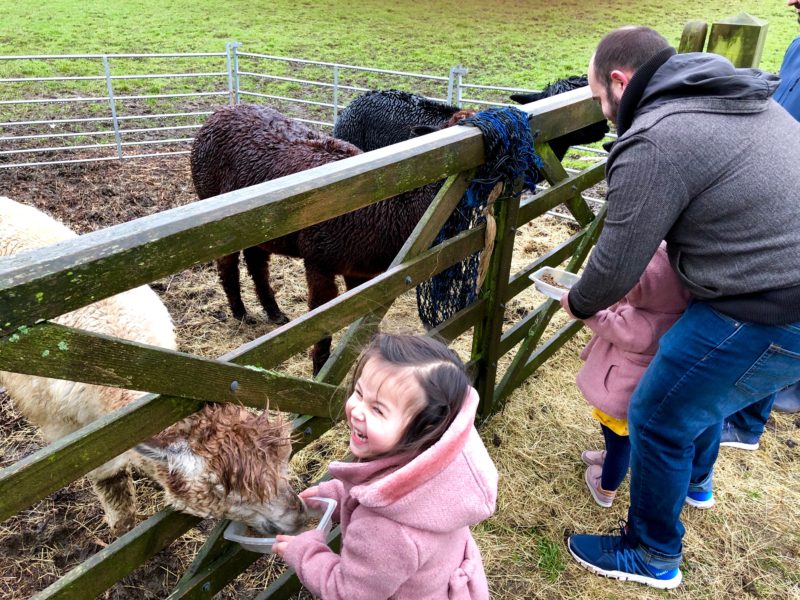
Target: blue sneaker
x,y
700,499
734,437
612,556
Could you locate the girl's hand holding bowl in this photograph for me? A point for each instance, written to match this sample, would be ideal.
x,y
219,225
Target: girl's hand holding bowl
x,y
283,542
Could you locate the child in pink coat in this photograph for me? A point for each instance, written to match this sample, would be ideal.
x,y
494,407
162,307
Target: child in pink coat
x,y
421,477
625,340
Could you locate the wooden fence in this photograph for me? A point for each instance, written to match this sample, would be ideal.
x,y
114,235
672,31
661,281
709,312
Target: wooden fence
x,y
40,285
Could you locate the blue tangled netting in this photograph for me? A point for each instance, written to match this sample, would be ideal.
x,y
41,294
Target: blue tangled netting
x,y
510,155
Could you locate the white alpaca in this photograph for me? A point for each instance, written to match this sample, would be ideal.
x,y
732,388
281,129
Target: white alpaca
x,y
220,462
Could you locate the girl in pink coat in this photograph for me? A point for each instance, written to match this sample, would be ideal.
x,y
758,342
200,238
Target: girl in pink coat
x,y
625,340
421,477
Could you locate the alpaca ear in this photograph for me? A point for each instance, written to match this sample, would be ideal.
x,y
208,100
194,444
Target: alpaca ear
x,y
176,457
152,452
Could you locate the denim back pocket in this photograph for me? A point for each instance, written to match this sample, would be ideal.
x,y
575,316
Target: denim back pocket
x,y
774,369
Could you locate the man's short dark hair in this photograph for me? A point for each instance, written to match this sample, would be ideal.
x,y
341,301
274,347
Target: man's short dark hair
x,y
626,48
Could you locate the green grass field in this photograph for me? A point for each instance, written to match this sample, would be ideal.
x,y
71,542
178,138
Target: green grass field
x,y
517,43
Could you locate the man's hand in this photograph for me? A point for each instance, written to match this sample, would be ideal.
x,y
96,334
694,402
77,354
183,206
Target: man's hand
x,y
564,301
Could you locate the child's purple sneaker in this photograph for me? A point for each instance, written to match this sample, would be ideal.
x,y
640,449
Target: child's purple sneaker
x,y
593,457
592,477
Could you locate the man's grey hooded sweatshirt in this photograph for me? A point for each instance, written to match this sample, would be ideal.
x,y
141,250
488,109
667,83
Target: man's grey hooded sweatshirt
x,y
707,161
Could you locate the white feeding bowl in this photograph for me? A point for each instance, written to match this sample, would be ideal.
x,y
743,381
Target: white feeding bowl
x,y
564,279
237,532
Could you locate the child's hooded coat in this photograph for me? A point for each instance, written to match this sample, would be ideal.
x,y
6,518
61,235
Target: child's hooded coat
x,y
405,525
626,336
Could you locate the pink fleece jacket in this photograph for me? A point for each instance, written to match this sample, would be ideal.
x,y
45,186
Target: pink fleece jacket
x,y
405,525
626,336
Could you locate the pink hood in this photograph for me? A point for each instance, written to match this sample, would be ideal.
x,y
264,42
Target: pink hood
x,y
450,485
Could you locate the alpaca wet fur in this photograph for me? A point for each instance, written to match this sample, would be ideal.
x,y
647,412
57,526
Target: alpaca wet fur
x,y
244,145
585,135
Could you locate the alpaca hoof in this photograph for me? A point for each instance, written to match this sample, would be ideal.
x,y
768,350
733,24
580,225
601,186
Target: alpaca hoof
x,y
279,319
245,318
122,526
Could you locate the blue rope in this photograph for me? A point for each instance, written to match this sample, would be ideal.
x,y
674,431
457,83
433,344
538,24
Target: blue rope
x,y
510,155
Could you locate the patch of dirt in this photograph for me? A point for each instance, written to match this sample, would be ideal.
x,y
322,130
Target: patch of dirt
x,y
93,196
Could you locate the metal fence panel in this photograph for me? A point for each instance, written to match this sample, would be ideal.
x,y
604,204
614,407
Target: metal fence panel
x,y
63,114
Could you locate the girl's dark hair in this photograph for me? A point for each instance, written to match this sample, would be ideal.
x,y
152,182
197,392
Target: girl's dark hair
x,y
438,371
626,48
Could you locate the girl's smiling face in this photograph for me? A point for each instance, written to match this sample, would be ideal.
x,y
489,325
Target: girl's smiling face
x,y
384,401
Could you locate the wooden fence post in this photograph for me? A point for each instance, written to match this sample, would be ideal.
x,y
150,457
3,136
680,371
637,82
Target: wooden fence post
x,y
486,339
740,39
693,38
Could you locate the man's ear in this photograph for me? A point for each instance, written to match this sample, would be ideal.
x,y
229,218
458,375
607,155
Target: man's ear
x,y
619,78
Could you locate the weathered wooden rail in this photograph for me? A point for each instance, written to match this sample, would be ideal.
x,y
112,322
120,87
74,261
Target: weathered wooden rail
x,y
38,286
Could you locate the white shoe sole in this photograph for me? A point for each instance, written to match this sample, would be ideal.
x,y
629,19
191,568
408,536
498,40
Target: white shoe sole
x,y
740,445
704,504
661,584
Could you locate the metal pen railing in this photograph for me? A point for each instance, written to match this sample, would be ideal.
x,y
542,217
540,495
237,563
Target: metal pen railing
x,y
42,125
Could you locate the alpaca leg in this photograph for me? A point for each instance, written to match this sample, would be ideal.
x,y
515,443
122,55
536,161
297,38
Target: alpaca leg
x,y
257,260
228,271
321,289
353,282
117,496
111,481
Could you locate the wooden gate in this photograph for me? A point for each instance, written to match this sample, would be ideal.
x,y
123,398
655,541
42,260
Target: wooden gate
x,y
40,285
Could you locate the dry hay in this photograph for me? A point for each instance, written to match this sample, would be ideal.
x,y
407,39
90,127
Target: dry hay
x,y
747,545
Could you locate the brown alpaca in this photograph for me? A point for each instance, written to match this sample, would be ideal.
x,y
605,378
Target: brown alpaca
x,y
222,462
243,145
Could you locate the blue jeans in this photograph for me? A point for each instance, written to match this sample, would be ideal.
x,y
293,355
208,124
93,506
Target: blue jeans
x,y
753,418
707,367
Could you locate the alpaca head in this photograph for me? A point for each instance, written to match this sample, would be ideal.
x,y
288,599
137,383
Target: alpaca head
x,y
226,462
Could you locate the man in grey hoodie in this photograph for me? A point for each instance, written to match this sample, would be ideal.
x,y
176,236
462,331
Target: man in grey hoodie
x,y
705,160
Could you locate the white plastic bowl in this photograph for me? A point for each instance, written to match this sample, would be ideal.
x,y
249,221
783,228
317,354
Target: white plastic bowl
x,y
564,278
235,531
